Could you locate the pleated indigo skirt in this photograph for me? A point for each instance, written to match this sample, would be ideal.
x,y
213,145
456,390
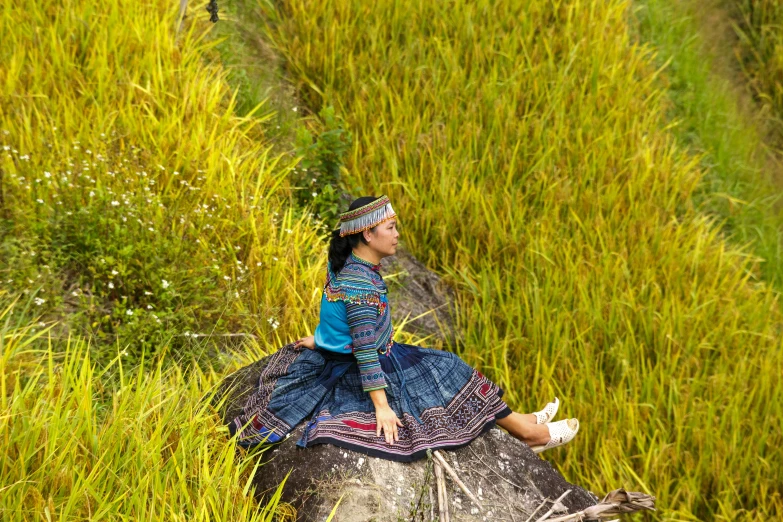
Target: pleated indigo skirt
x,y
442,402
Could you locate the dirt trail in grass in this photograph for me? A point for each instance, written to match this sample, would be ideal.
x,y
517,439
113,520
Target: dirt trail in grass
x,y
721,46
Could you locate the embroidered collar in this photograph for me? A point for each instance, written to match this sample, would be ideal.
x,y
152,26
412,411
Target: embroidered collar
x,y
358,259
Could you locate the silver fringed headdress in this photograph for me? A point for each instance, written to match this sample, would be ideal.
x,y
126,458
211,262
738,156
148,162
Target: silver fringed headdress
x,y
366,216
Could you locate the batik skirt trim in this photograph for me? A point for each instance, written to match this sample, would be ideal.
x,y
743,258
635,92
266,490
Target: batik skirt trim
x,y
442,402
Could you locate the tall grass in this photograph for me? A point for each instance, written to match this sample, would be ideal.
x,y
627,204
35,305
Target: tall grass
x,y
741,185
82,442
136,209
759,27
137,206
528,150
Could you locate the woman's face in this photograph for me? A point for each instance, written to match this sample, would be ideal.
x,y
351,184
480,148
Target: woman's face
x,y
384,238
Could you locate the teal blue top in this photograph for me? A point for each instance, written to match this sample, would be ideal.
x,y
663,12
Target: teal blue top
x,y
355,317
333,332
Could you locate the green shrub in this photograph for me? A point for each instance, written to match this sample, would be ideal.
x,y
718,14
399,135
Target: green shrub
x,y
317,177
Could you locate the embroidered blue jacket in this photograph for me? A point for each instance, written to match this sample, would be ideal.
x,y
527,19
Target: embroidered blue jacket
x,y
355,317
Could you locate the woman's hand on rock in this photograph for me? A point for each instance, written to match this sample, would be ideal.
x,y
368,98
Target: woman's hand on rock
x,y
386,420
307,342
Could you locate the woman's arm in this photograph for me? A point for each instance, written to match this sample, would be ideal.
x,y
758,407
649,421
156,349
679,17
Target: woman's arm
x,y
362,318
307,342
385,418
361,322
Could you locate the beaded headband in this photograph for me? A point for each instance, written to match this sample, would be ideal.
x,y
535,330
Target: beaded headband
x,y
366,216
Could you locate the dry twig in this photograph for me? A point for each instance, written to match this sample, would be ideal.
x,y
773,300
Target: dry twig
x,y
536,510
443,506
554,505
493,471
614,503
456,478
432,505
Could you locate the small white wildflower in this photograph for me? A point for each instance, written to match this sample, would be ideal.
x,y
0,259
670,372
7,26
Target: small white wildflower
x,y
38,301
146,292
294,109
149,307
289,230
315,194
47,174
111,285
165,283
115,203
273,257
92,193
226,278
39,200
129,312
151,229
114,272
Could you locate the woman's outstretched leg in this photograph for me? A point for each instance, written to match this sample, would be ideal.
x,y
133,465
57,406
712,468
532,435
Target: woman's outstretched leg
x,y
524,428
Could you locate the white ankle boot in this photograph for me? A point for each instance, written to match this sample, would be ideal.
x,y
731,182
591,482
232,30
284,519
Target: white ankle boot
x,y
560,433
548,413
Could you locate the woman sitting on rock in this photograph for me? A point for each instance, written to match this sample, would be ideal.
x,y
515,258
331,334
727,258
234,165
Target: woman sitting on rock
x,y
364,391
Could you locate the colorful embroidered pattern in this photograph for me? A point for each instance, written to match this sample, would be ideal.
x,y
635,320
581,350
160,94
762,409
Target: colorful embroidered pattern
x,y
360,285
471,412
454,402
369,207
264,421
366,217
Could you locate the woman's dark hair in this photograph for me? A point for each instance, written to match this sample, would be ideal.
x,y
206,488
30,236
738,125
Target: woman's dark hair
x,y
340,247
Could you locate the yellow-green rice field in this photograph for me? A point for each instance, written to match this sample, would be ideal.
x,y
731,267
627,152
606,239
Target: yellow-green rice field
x,y
529,152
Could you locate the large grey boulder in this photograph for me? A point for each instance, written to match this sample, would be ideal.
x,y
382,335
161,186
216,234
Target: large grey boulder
x,y
511,480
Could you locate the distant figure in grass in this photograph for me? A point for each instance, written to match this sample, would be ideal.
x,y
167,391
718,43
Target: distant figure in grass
x,y
363,391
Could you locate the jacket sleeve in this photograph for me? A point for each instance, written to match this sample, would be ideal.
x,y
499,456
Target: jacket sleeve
x,y
361,322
